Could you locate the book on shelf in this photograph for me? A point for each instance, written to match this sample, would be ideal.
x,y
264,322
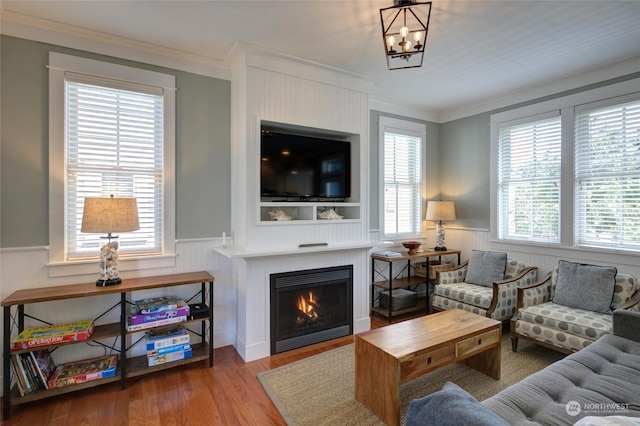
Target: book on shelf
x,y
20,375
152,361
169,349
44,365
83,371
158,323
32,372
160,338
157,304
35,337
135,318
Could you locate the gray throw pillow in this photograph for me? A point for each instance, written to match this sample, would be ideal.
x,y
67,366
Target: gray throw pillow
x,y
485,267
451,406
588,287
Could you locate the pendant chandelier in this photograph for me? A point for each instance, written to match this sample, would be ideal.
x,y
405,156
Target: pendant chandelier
x,y
404,33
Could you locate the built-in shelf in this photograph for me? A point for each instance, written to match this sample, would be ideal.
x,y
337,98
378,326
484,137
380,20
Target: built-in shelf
x,y
309,212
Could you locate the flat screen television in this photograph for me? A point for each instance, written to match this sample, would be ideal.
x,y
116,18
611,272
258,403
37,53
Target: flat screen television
x,y
304,167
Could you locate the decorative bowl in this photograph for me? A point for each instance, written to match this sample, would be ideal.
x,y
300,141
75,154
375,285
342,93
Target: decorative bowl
x,y
412,246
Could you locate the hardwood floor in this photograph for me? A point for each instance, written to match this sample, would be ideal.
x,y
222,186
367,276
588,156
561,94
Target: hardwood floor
x,y
227,394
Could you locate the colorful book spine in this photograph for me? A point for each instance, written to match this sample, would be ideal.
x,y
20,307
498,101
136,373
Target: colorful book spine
x,y
20,374
158,304
169,349
159,323
170,357
157,316
181,336
84,371
31,338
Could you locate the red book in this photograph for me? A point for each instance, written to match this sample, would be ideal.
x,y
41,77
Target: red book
x,y
31,338
77,372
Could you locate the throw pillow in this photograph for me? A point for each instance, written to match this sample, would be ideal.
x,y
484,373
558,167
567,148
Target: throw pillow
x,y
451,406
485,267
588,287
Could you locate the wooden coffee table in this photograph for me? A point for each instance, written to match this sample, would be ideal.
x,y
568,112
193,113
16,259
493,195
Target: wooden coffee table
x,y
391,355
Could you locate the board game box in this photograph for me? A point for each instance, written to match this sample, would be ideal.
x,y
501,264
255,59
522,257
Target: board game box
x,y
55,334
157,304
161,338
158,323
77,372
135,319
170,357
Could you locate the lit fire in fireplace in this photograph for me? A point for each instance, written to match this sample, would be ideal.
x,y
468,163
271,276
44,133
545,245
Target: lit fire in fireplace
x,y
308,308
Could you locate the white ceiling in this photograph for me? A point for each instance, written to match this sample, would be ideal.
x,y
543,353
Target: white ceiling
x,y
475,51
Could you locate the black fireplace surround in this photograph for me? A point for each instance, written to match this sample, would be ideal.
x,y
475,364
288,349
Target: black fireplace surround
x,y
310,306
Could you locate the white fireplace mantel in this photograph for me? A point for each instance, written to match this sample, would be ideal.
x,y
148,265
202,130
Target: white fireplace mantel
x,y
240,252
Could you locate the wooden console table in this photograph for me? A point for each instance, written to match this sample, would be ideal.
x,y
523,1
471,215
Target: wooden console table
x,y
392,280
127,367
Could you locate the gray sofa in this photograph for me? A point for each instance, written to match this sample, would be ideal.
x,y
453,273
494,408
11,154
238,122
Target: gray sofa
x,y
601,380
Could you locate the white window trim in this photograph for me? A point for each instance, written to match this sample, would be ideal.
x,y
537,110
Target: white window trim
x,y
58,65
566,105
406,126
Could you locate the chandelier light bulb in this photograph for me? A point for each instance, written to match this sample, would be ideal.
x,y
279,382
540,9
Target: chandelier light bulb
x,y
404,31
390,42
417,36
406,46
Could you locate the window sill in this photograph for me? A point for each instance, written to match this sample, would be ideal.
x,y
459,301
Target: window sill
x,y
90,266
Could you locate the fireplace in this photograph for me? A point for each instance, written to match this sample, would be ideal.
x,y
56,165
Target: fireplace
x,y
310,306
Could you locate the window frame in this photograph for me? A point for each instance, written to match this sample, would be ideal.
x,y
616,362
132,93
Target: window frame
x,y
59,64
410,128
566,105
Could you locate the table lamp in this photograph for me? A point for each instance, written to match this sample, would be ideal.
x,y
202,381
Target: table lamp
x,y
109,215
440,212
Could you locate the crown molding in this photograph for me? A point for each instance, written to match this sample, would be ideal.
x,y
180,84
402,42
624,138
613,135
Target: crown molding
x,y
45,31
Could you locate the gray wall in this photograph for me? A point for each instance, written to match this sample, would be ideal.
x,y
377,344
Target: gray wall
x,y
464,177
431,156
203,133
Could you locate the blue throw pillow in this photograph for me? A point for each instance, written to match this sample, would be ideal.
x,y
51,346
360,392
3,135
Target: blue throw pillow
x,y
588,287
486,267
451,406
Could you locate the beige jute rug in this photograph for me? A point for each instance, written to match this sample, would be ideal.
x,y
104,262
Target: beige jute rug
x,y
319,390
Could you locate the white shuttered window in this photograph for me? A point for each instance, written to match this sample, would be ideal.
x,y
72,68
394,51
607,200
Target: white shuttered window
x,y
529,179
114,146
607,174
402,181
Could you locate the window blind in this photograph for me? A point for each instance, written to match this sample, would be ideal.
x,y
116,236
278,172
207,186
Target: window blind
x,y
607,174
529,155
402,181
114,146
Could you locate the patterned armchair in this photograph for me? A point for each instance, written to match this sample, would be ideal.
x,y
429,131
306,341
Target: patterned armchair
x,y
542,319
496,300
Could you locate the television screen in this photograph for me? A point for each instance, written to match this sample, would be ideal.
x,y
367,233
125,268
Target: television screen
x,y
304,166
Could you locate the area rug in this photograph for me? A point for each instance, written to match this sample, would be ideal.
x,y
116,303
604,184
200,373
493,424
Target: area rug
x,y
319,390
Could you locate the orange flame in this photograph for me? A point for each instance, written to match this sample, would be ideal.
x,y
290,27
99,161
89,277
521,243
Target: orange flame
x,y
308,305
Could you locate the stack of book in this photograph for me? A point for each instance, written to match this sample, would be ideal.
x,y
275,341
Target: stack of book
x,y
167,345
157,312
32,370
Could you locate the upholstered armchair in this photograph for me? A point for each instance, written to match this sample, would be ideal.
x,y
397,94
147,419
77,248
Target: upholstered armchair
x,y
572,306
486,284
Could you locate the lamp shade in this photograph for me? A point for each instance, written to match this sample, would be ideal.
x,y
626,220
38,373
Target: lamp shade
x,y
107,215
441,211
